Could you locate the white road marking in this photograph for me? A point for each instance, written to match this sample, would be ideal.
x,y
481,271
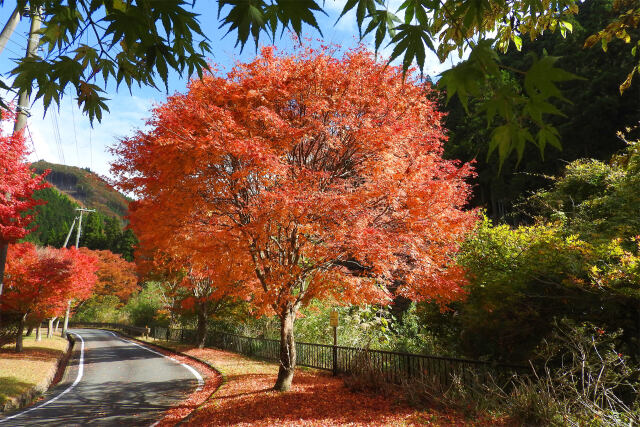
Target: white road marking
x,y
193,371
77,380
81,372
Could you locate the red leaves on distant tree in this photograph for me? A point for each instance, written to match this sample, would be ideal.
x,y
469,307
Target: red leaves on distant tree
x,y
36,280
116,276
84,266
322,176
39,281
17,184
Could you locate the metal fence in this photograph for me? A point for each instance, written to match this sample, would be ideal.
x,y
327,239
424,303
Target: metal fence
x,y
392,366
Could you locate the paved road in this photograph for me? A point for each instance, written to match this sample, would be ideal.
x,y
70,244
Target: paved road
x,y
110,381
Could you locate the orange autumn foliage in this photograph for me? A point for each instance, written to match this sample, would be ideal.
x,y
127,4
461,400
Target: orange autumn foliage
x,y
116,276
40,280
322,176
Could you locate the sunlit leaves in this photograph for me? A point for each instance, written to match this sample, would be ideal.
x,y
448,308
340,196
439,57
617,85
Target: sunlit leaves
x,y
327,196
466,79
442,27
620,29
130,42
540,79
40,281
519,111
507,138
115,275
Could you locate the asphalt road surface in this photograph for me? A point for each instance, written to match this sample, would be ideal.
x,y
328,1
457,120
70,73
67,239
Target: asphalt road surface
x,y
110,381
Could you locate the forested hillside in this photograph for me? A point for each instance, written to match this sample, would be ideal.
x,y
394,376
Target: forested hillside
x,y
72,188
88,188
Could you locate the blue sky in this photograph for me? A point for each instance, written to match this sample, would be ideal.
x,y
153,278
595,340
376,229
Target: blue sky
x,y
80,145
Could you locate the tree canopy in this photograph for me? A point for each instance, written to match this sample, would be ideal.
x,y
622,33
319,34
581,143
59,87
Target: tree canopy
x,y
323,177
41,280
17,185
139,41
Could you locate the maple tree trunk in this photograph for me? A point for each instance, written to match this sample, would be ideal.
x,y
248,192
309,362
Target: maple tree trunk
x,y
50,328
38,333
29,330
55,325
287,350
19,333
65,325
4,247
203,326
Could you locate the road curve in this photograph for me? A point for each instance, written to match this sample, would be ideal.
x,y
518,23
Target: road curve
x,y
110,381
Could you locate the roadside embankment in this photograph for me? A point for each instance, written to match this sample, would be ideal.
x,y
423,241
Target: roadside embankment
x,y
27,375
246,397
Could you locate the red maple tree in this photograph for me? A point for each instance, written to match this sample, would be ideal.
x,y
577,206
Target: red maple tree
x,y
17,184
323,176
41,280
197,285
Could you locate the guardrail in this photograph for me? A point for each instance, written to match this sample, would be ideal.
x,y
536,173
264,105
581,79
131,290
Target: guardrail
x,y
392,366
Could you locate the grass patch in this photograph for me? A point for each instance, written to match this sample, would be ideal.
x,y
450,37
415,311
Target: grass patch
x,y
19,372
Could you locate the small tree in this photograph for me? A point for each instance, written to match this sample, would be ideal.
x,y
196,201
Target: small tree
x,y
36,279
40,281
200,294
322,175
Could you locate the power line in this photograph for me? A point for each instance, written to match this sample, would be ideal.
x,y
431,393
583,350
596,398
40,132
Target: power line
x,y
33,144
75,135
56,134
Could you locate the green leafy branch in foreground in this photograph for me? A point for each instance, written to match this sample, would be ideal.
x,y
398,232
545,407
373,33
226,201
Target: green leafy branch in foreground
x,y
131,42
141,41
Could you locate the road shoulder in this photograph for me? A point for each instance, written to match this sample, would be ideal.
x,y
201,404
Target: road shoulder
x,y
213,379
26,377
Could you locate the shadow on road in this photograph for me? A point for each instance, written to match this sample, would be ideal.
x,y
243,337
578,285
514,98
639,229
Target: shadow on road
x,y
110,403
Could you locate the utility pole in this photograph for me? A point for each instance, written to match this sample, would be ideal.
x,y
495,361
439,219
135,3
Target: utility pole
x,y
23,102
8,29
66,241
80,224
65,325
32,49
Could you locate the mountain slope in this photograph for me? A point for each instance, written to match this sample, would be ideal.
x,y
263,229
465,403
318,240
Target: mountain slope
x,y
88,189
72,188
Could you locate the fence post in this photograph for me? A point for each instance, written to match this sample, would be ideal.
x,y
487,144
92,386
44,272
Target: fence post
x,y
333,322
335,351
